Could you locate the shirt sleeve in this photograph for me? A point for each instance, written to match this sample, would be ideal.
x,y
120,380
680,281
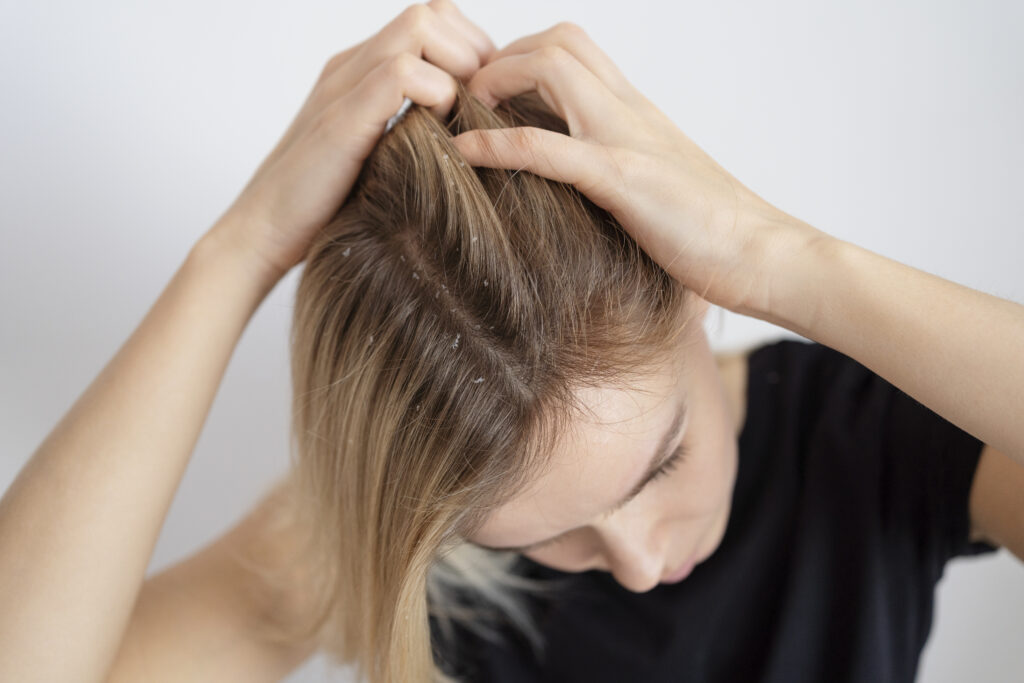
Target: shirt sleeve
x,y
921,465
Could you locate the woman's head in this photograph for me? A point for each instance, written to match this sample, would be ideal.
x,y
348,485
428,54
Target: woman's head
x,y
640,486
453,327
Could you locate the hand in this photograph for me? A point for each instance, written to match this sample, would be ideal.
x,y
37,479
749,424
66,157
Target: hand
x,y
305,179
688,213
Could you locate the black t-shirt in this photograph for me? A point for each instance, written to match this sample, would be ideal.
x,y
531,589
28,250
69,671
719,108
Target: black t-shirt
x,y
849,500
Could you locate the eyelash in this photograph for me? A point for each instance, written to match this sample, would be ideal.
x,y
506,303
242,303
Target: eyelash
x,y
666,467
671,463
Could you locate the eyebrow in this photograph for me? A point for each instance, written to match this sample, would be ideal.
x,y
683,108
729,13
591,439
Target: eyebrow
x,y
661,454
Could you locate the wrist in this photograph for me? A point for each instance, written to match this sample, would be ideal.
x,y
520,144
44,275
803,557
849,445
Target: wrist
x,y
791,262
243,274
224,242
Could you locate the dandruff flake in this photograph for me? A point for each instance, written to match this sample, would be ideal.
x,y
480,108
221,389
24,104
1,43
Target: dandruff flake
x,y
348,250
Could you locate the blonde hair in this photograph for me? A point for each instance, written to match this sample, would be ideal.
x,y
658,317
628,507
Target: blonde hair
x,y
443,322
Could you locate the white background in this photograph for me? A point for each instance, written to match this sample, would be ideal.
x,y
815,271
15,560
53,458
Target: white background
x,y
127,128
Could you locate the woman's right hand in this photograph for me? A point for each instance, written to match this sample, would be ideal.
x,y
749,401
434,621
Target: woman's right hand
x,y
305,179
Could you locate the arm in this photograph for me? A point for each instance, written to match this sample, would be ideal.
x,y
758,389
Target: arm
x,y
78,524
956,350
202,619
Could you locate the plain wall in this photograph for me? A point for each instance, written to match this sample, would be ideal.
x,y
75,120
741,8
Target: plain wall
x,y
127,128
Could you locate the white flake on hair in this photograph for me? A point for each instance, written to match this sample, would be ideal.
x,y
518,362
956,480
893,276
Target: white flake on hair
x,y
485,283
348,250
415,276
478,380
456,344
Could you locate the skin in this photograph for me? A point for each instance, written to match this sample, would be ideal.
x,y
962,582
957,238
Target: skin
x,y
682,513
97,490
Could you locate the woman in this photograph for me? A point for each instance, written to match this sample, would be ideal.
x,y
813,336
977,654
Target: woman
x,y
588,479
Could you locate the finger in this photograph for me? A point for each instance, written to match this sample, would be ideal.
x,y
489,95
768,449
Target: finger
x,y
569,88
590,167
418,30
382,91
330,153
574,40
423,32
480,41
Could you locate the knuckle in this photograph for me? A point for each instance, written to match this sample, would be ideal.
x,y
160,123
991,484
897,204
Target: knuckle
x,y
525,136
401,66
332,64
415,16
568,30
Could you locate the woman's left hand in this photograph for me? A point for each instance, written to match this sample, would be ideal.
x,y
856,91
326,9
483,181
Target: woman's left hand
x,y
688,213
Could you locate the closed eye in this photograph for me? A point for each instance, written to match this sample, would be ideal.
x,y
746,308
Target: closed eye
x,y
670,464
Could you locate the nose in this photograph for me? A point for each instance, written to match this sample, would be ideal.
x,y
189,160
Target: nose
x,y
634,555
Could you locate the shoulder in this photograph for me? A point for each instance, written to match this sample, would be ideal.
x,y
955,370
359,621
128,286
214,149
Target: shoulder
x,y
807,363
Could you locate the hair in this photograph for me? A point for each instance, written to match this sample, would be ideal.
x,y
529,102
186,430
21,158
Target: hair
x,y
444,321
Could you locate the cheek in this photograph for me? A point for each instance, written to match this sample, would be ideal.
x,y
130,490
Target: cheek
x,y
569,555
710,470
704,479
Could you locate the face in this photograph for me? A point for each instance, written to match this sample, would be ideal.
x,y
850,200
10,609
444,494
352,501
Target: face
x,y
569,517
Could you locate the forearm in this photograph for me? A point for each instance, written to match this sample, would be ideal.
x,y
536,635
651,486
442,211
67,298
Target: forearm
x,y
79,523
958,351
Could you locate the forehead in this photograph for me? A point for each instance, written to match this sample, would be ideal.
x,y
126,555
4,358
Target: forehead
x,y
594,464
